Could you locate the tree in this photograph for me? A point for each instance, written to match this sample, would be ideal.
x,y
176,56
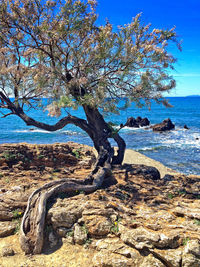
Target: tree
x,y
56,50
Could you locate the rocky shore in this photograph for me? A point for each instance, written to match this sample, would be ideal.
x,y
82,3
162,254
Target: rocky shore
x,y
147,216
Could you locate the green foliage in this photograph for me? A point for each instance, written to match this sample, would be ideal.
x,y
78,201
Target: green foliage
x,y
170,195
7,180
197,222
115,227
9,156
17,213
113,130
70,233
84,228
17,227
76,152
40,156
185,241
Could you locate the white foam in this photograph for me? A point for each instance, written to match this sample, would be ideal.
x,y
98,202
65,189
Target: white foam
x,y
31,131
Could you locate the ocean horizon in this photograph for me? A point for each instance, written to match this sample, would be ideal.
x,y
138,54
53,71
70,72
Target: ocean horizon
x,y
178,149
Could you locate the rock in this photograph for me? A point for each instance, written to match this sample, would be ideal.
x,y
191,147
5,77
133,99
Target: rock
x,y
189,260
7,251
187,212
53,240
151,261
136,123
104,259
168,241
193,247
144,122
7,228
97,225
131,122
65,213
148,172
168,178
5,215
80,234
26,156
115,245
140,238
62,231
172,257
166,125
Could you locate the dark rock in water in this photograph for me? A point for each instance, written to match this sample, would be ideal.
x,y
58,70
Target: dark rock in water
x,y
185,127
131,122
166,125
138,119
144,122
138,122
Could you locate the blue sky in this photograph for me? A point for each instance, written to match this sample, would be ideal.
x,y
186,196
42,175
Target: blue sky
x,y
184,14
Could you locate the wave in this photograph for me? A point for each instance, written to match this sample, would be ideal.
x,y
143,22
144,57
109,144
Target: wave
x,y
31,131
126,128
68,132
156,148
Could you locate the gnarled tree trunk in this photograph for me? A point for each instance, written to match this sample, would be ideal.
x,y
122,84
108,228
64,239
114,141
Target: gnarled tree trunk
x,y
33,222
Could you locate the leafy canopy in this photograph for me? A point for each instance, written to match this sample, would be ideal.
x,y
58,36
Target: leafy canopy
x,y
55,49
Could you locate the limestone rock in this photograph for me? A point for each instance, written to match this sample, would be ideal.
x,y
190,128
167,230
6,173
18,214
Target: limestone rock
x,y
7,251
172,257
115,245
97,225
140,238
103,259
7,228
80,234
6,215
151,261
65,213
189,260
168,241
193,247
188,212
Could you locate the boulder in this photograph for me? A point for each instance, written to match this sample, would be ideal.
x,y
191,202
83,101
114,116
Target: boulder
x,y
7,228
7,251
80,234
144,122
131,122
138,122
103,258
166,125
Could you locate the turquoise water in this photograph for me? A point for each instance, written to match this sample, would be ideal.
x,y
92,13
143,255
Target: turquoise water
x,y
178,149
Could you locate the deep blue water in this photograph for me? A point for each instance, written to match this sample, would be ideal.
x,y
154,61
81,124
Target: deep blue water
x,y
178,149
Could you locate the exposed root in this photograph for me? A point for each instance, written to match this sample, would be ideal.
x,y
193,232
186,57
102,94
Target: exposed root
x,y
33,222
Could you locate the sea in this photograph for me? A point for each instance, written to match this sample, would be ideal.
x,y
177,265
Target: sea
x,y
178,149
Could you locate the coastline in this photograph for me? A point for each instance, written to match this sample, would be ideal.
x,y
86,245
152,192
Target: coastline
x,y
131,157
